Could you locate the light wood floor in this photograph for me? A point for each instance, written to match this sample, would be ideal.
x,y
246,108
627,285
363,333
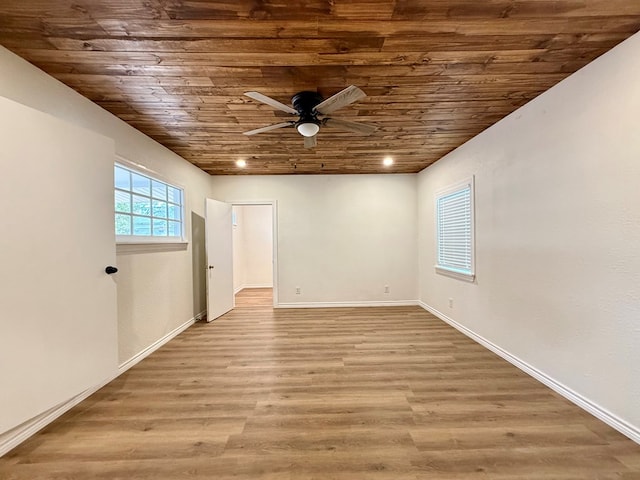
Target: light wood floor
x,y
254,297
369,393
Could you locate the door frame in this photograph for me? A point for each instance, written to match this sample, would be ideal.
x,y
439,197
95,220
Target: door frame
x,y
274,233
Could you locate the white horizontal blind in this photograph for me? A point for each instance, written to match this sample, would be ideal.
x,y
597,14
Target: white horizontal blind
x,y
455,230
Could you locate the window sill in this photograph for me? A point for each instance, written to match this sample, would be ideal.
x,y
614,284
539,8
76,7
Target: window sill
x,y
150,247
468,277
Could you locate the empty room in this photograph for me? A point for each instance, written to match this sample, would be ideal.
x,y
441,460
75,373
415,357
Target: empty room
x,y
394,239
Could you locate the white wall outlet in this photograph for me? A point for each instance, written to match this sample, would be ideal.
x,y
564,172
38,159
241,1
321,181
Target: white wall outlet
x,y
451,303
297,290
386,289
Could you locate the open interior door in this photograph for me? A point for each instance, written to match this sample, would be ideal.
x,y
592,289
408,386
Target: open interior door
x,y
58,327
219,259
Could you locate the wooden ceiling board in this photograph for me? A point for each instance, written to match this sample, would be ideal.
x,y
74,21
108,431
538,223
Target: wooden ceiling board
x,y
436,72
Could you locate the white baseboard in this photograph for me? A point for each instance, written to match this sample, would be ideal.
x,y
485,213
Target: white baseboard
x,y
387,303
594,409
14,437
252,285
158,343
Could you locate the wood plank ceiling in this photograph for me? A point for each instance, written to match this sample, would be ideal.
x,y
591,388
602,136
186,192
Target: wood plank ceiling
x,y
436,72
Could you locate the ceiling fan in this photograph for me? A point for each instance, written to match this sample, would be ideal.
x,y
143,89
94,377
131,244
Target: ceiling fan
x,y
311,110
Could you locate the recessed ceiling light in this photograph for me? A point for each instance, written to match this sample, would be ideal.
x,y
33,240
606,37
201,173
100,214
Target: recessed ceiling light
x,y
241,163
387,162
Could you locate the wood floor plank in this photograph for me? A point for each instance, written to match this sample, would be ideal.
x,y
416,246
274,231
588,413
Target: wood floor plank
x,y
343,394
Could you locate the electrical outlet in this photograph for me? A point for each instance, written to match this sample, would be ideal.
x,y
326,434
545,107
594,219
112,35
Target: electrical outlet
x,y
297,290
386,289
451,303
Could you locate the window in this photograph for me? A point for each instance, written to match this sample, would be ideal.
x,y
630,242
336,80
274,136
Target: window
x,y
147,209
455,239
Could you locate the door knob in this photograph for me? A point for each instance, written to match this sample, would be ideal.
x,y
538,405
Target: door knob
x,y
109,270
211,267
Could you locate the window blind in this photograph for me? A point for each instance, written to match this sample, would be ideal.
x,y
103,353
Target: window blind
x,y
454,230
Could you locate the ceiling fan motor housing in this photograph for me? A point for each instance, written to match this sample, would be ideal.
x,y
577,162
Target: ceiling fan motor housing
x,y
304,103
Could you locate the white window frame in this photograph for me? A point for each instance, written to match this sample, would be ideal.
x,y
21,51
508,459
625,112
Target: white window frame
x,y
468,275
150,239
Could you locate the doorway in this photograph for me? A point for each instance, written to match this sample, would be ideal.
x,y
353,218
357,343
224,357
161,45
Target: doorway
x,y
254,254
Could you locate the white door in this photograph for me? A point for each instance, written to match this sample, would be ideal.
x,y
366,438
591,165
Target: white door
x,y
219,259
58,327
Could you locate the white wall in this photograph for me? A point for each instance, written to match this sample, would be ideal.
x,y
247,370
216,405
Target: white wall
x,y
341,238
157,290
255,232
557,234
252,247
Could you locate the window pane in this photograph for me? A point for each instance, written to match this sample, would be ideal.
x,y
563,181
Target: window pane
x,y
174,229
174,212
123,201
141,205
140,184
159,209
145,206
123,224
141,226
159,228
122,178
159,190
175,195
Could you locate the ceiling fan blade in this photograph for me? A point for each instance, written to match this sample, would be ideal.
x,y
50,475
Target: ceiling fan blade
x,y
350,126
269,128
341,99
310,142
270,101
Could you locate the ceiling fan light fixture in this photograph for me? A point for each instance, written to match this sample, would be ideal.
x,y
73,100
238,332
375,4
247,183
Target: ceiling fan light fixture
x,y
308,129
